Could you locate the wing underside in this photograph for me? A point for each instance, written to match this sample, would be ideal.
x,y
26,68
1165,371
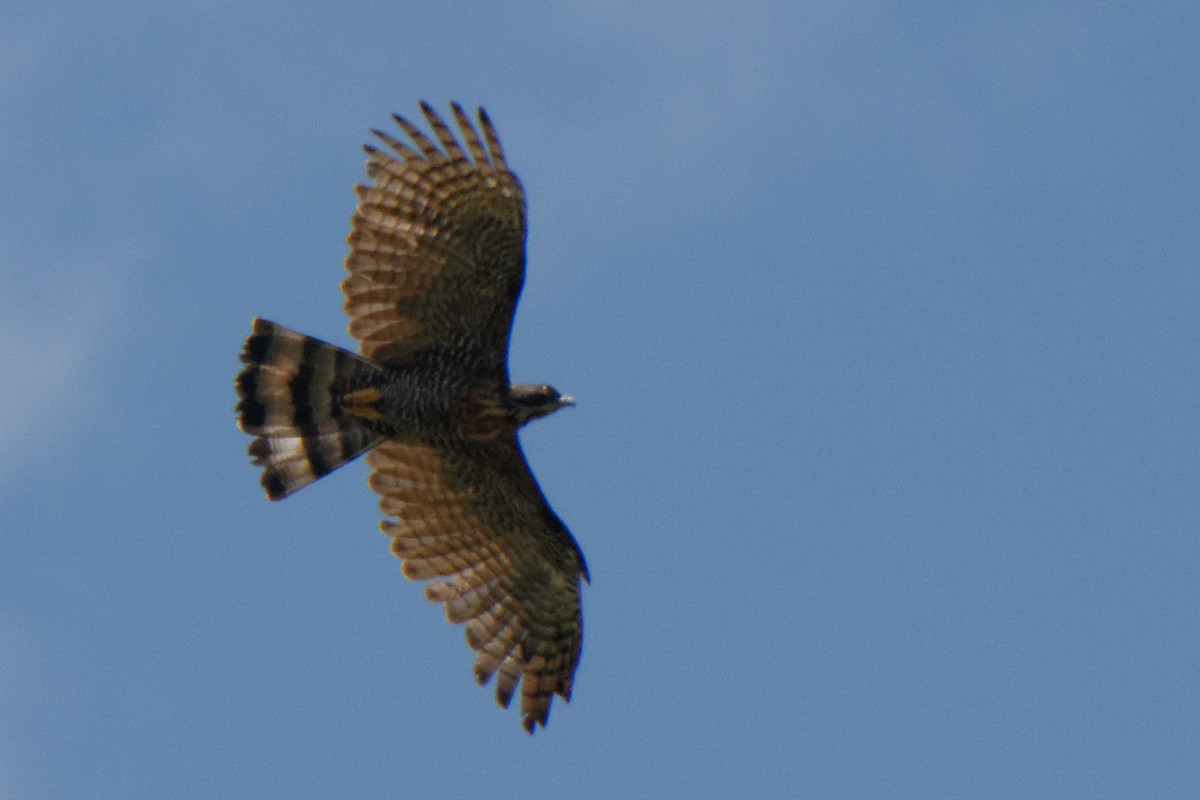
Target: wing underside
x,y
437,245
472,520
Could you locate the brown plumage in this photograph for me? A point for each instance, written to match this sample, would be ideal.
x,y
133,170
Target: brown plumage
x,y
436,263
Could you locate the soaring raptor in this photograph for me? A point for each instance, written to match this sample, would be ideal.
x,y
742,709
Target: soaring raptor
x,y
436,262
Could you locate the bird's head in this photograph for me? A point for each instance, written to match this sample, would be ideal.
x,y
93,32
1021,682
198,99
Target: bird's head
x,y
533,400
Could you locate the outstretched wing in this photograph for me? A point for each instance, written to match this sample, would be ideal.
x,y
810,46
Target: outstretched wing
x,y
473,517
437,246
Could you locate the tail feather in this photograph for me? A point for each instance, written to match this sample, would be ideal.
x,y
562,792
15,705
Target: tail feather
x,y
291,394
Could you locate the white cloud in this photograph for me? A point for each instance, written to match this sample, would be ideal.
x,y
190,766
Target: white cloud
x,y
51,330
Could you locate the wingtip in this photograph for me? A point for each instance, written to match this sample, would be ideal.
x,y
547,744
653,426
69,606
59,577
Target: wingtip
x,y
530,722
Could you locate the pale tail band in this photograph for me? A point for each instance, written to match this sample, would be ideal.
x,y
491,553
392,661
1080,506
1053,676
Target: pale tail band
x,y
291,399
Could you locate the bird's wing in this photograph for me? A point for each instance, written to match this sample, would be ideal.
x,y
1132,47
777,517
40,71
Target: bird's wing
x,y
471,516
437,246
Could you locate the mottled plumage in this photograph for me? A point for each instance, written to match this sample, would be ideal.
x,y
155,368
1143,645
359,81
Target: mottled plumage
x,y
436,263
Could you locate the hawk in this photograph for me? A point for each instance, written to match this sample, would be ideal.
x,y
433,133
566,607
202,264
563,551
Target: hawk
x,y
436,262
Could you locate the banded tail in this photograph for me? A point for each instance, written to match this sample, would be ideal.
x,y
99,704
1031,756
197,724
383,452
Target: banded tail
x,y
294,392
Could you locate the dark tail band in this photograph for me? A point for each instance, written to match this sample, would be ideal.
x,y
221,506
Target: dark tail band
x,y
291,400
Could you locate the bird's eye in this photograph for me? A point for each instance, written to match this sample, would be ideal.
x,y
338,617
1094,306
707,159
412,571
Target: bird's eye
x,y
546,390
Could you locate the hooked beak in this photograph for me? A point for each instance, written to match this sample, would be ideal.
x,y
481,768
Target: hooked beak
x,y
566,400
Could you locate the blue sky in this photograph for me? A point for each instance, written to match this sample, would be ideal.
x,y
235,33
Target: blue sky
x,y
882,319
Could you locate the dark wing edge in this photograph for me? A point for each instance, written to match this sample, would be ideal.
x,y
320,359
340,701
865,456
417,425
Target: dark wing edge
x,y
473,521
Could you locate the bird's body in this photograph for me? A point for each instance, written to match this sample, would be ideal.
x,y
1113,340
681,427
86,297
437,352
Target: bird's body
x,y
435,267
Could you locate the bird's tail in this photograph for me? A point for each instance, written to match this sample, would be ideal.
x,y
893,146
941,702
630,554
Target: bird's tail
x,y
297,397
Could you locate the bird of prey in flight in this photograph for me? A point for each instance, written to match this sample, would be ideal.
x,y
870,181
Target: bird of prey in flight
x,y
436,263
